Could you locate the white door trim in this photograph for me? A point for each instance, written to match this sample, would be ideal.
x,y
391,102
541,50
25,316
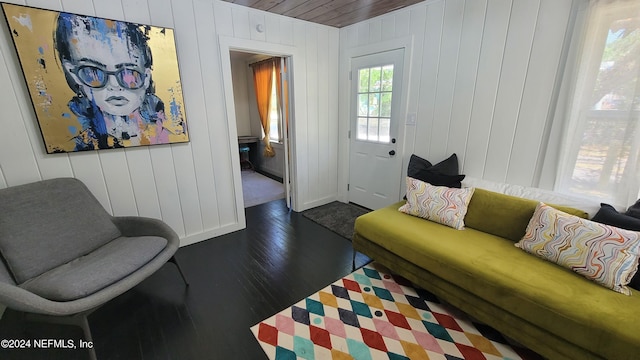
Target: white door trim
x,y
228,44
405,43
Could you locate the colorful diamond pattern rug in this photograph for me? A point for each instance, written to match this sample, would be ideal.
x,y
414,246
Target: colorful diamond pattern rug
x,y
373,314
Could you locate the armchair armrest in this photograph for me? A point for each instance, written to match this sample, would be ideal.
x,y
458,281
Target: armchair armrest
x,y
143,226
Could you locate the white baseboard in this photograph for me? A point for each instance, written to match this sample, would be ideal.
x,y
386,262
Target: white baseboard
x,y
319,202
192,239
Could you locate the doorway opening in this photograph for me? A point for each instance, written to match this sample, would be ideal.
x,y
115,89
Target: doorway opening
x,y
264,178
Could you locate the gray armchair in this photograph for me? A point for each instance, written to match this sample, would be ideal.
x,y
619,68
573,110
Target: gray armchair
x,y
62,255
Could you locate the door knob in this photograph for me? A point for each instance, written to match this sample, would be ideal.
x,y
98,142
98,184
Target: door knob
x,y
392,152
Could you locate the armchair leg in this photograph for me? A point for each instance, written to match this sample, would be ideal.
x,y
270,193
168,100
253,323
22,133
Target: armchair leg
x,y
175,262
79,319
84,324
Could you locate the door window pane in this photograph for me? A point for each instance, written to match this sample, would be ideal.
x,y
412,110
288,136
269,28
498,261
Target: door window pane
x,y
363,104
385,104
362,129
374,100
383,130
373,129
374,104
363,76
374,81
387,78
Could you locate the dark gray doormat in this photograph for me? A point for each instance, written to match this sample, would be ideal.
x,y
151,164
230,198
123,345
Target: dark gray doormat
x,y
337,217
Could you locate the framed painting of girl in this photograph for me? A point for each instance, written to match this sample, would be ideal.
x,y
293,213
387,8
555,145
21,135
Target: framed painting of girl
x,y
97,83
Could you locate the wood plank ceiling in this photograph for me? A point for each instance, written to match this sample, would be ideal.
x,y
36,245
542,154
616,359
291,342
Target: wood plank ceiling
x,y
336,13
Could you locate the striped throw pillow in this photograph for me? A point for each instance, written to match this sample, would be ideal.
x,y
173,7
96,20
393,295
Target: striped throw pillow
x,y
602,253
440,204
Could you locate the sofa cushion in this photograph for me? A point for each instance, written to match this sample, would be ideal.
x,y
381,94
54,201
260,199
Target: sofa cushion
x,y
492,268
96,270
44,225
503,215
599,252
441,204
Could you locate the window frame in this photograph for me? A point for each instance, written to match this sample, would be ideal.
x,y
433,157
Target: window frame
x,y
588,60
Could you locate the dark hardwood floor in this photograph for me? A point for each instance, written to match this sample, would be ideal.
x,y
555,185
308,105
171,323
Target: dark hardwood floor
x,y
236,280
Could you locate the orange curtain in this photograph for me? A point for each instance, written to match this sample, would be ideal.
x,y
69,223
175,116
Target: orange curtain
x,y
262,83
283,91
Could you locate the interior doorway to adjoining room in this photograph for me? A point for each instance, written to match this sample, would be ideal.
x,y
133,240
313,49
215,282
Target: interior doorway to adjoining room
x,y
264,178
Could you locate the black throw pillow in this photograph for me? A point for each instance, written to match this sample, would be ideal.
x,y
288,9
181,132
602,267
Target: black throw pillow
x,y
437,179
416,165
634,210
610,216
448,166
444,173
635,282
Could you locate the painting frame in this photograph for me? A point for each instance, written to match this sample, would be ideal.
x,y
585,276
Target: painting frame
x,y
97,83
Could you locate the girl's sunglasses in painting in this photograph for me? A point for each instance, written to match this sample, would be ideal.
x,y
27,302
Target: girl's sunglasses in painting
x,y
97,78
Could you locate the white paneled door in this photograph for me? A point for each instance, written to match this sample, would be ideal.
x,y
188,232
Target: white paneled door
x,y
375,162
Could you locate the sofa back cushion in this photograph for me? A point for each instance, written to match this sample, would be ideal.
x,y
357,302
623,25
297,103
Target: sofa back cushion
x,y
49,223
504,215
537,194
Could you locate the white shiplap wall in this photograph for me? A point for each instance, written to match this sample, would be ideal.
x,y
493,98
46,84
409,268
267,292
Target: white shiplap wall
x,y
482,80
194,187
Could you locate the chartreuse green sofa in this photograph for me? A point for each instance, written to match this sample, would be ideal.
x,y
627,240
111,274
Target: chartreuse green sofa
x,y
545,307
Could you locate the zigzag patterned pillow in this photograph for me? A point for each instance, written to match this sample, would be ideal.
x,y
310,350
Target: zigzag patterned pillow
x,y
440,204
602,253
